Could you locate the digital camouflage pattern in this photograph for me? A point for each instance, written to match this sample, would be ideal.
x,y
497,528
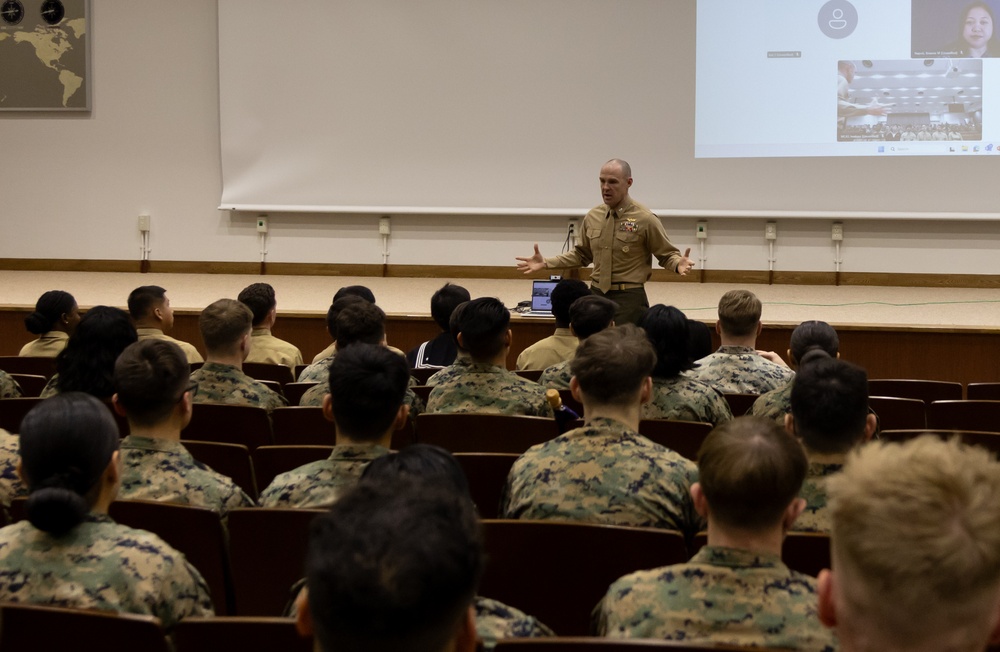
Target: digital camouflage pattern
x,y
100,565
313,397
485,388
774,404
740,370
723,596
319,484
557,376
317,372
603,473
816,517
10,484
451,371
495,620
268,349
8,386
685,399
224,383
164,471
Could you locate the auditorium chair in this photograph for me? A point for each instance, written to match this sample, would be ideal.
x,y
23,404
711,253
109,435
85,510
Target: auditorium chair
x,y
983,416
530,374
740,404
34,627
279,373
231,460
239,633
421,375
484,433
683,437
31,384
38,366
805,552
295,391
924,390
229,424
898,413
270,461
423,391
487,474
982,391
306,426
988,440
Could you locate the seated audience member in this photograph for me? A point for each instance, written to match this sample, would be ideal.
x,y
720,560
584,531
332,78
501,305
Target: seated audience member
x,y
605,472
588,315
153,316
69,553
481,382
676,396
10,483
735,590
393,567
807,336
441,351
152,379
87,364
737,368
9,388
361,292
364,401
316,372
699,339
454,369
259,298
56,315
915,549
561,345
830,417
225,329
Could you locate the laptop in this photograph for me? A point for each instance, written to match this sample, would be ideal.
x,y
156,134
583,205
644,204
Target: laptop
x,y
541,299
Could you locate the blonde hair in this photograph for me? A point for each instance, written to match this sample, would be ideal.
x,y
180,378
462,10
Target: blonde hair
x,y
739,312
916,544
223,323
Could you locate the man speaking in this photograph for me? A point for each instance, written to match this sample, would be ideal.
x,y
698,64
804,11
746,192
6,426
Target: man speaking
x,y
619,236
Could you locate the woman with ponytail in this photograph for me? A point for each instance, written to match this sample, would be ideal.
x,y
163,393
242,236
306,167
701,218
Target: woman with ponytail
x,y
56,315
69,552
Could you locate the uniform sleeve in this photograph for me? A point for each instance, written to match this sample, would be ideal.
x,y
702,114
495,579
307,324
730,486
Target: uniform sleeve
x,y
660,246
581,255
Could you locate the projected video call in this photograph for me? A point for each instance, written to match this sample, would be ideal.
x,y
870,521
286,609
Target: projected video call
x,y
912,78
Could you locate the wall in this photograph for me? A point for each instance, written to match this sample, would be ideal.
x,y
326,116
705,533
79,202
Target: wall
x,y
73,186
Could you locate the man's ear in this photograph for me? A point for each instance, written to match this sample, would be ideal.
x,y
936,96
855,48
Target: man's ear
x,y
508,338
119,410
700,502
466,639
303,617
20,472
401,416
328,408
718,327
871,423
646,391
827,604
790,424
460,341
792,512
574,390
760,328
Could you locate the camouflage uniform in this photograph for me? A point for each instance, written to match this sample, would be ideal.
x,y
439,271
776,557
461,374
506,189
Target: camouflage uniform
x,y
484,388
559,347
8,386
815,517
685,399
723,596
224,383
448,373
317,372
740,370
557,376
51,388
10,484
313,397
495,620
190,352
100,565
774,404
164,471
269,349
319,484
602,473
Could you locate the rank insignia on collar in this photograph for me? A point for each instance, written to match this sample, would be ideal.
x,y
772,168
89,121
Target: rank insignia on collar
x,y
628,226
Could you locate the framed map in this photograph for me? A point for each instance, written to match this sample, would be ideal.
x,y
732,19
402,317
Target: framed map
x,y
44,55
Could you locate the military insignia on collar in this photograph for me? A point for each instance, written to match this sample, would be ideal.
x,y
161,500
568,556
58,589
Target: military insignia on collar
x,y
628,226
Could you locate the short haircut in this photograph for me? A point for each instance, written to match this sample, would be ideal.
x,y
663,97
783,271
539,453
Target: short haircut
x,y
143,299
444,302
392,567
367,386
150,378
334,310
360,322
750,471
667,330
354,291
49,309
612,365
482,323
916,543
259,298
591,314
739,312
812,335
829,404
424,463
563,295
223,323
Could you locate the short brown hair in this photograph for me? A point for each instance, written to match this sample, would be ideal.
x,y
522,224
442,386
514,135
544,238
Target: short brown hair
x,y
150,377
739,312
612,364
223,323
360,321
750,471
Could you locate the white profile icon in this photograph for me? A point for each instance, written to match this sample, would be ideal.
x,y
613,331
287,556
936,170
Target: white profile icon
x,y
838,21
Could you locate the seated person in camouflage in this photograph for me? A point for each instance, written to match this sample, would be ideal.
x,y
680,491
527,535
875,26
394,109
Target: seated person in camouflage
x,y
69,553
606,472
675,395
737,367
588,315
8,386
87,364
365,403
268,349
360,292
561,345
830,417
454,369
915,555
807,336
150,310
441,351
153,382
736,590
10,482
225,329
481,382
317,371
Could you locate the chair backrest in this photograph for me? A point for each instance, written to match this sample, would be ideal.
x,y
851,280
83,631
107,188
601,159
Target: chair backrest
x,y
239,633
301,426
33,627
295,391
590,644
530,374
31,384
988,440
269,461
982,391
805,552
267,549
421,375
486,473
15,364
12,410
559,571
278,373
299,368
231,460
740,404
898,413
923,390
273,385
423,391
229,424
981,416
485,433
683,437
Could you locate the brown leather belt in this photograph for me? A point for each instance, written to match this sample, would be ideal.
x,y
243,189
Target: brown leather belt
x,y
624,286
